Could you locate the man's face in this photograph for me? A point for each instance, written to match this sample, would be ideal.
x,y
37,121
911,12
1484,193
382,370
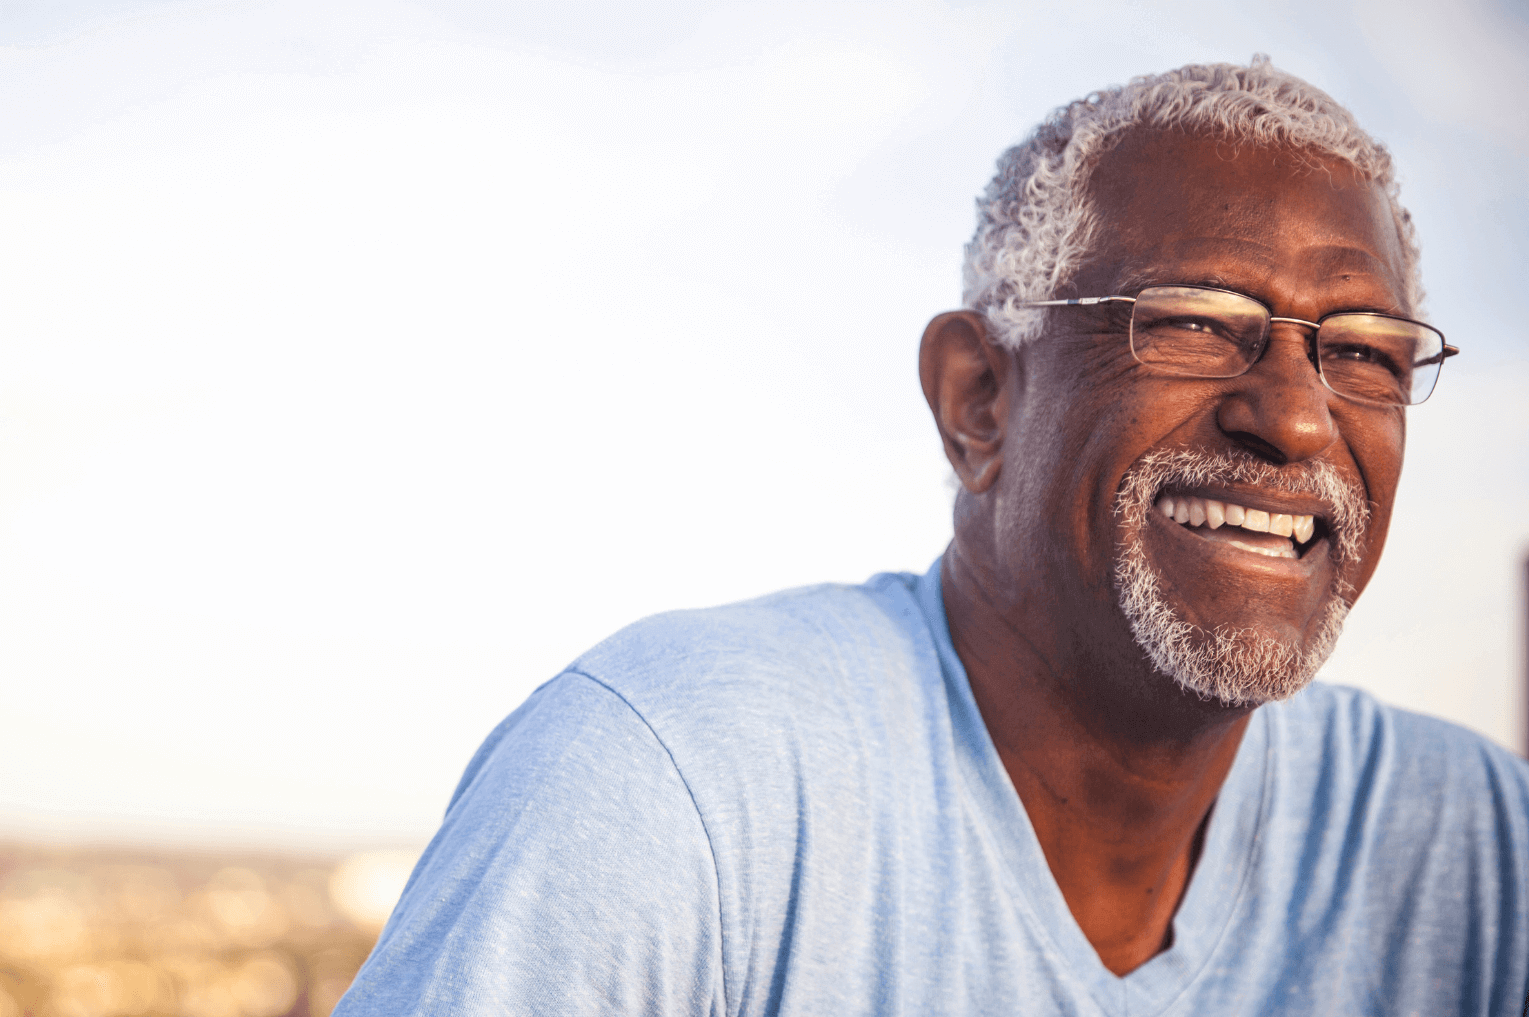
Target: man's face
x,y
1096,440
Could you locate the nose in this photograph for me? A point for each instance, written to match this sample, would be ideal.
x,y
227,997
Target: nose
x,y
1279,410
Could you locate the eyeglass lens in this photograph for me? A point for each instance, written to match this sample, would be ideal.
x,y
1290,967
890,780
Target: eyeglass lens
x,y
1196,332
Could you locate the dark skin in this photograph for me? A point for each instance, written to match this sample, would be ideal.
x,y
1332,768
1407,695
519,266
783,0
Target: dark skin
x,y
1117,767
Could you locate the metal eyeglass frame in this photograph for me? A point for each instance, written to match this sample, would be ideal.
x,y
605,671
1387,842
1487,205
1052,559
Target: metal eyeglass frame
x,y
1448,351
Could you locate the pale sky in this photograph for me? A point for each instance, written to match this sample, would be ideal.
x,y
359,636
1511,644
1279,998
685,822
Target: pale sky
x,y
364,363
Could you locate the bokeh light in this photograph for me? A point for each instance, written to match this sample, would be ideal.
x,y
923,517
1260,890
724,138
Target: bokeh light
x,y
367,884
116,933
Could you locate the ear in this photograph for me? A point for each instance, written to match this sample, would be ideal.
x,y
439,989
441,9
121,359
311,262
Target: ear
x,y
964,371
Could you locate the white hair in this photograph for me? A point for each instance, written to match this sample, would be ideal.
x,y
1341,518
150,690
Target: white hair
x,y
1237,667
1035,224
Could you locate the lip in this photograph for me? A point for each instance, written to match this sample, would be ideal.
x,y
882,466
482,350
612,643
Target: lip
x,y
1253,498
1222,555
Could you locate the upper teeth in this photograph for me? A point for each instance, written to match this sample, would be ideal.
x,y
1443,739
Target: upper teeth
x,y
1212,513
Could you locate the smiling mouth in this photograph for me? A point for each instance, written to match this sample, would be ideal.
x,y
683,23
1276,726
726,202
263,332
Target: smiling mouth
x,y
1273,534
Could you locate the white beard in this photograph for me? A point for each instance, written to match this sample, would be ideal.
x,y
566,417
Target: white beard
x,y
1238,667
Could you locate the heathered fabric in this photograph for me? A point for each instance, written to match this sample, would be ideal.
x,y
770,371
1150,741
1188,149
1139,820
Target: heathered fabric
x,y
791,806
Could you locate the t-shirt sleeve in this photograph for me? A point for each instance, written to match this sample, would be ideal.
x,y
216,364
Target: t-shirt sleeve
x,y
572,875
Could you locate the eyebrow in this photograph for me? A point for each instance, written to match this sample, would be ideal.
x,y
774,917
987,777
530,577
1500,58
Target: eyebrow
x,y
1134,281
1337,259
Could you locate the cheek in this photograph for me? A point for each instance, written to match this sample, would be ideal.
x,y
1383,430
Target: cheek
x,y
1088,413
1119,423
1377,442
1093,413
1100,434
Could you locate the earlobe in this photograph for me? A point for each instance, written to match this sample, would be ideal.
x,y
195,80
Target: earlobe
x,y
964,372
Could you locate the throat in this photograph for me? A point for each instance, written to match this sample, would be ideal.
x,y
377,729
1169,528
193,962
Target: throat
x,y
1124,900
1121,832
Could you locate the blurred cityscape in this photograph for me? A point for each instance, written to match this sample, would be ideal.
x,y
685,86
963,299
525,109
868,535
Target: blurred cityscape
x,y
103,932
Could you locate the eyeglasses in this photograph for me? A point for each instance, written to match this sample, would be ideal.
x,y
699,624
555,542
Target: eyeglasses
x,y
1203,332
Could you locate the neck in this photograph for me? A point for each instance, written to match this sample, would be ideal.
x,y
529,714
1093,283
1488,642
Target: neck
x,y
1116,767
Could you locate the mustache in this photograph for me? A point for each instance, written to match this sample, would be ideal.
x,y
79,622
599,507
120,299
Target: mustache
x,y
1346,510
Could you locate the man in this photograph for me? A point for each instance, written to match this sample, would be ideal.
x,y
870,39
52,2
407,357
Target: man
x,y
1077,767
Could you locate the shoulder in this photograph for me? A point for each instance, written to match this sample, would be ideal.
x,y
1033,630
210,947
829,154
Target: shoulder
x,y
1412,771
1392,854
1349,721
663,783
784,627
820,691
785,654
565,733
572,874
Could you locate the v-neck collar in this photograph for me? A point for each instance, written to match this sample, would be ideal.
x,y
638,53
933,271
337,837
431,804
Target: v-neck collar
x,y
1215,888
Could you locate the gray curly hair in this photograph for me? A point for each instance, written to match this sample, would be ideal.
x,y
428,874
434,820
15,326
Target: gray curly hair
x,y
1035,224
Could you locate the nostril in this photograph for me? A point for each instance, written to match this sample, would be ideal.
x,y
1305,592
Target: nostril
x,y
1259,447
1277,417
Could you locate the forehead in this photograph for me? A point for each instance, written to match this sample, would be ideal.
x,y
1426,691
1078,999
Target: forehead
x,y
1279,223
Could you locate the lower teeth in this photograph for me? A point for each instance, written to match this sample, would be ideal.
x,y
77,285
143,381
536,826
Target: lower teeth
x,y
1268,551
1224,536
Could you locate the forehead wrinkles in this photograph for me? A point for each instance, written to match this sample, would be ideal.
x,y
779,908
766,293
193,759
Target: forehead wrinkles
x,y
1345,277
1231,263
1255,211
1175,254
1339,265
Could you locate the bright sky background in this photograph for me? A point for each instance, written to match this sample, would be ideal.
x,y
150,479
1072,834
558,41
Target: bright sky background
x,y
364,362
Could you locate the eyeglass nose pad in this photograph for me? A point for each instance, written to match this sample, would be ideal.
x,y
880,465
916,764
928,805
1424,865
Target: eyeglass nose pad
x,y
1308,338
1311,353
1279,412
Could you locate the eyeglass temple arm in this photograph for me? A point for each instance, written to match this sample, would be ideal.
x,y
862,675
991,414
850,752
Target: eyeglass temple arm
x,y
1077,302
1449,351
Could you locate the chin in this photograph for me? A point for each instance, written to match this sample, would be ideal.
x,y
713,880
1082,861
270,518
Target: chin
x,y
1233,666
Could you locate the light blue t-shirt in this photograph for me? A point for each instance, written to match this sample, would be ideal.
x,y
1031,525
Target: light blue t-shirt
x,y
792,806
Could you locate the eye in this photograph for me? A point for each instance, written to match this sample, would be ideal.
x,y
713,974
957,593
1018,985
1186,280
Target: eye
x,y
1203,326
1201,330
1361,355
1191,325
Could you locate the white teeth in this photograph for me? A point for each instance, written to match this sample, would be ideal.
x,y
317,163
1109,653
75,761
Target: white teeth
x,y
1215,513
1283,552
1190,511
1304,527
